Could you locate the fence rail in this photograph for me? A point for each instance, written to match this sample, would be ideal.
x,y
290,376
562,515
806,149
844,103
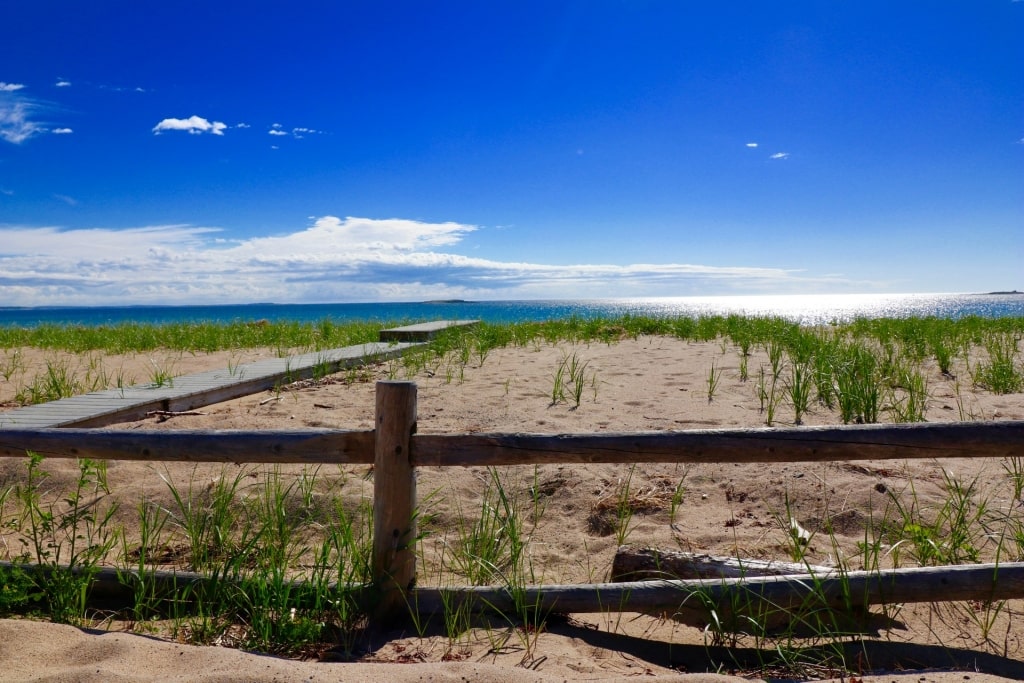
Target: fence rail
x,y
395,451
317,446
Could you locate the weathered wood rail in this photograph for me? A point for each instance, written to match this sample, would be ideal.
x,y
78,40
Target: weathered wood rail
x,y
395,451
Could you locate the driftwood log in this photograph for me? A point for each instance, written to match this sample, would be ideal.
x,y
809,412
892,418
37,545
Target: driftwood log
x,y
645,564
640,564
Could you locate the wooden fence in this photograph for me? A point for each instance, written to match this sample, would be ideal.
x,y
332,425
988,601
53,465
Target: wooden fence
x,y
396,450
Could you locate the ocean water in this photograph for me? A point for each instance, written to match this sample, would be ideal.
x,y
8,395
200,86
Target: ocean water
x,y
809,309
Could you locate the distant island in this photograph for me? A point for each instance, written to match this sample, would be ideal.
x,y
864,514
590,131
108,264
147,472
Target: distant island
x,y
448,301
1010,292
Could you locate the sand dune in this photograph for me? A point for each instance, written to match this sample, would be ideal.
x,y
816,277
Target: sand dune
x,y
652,383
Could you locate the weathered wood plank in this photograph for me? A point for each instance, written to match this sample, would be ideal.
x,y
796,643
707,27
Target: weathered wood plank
x,y
798,444
299,446
422,332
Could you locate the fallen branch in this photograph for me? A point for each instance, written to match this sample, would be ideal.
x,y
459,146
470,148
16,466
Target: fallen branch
x,y
166,414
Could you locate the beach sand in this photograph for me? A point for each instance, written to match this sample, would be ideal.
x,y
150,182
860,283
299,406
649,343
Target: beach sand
x,y
651,383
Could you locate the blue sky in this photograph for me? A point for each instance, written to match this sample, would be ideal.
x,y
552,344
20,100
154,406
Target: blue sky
x,y
194,153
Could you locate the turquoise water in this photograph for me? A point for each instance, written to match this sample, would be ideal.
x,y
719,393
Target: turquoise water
x,y
809,309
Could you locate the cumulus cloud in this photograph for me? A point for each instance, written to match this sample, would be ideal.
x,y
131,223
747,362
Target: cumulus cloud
x,y
277,131
332,259
61,83
10,87
194,125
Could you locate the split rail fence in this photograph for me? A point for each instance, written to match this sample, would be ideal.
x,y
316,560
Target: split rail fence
x,y
396,451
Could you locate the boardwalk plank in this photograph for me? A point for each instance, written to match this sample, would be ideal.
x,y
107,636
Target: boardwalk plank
x,y
189,392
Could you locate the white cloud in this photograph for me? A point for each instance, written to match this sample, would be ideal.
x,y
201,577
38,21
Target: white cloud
x,y
333,259
62,131
61,83
298,132
10,87
194,125
752,144
17,122
242,125
779,155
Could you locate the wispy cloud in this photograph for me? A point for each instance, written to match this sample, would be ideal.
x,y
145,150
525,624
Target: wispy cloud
x,y
333,259
297,132
752,145
70,201
194,125
61,83
10,87
18,119
62,131
779,155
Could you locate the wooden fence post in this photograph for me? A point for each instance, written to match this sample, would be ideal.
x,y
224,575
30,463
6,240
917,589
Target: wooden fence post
x,y
394,499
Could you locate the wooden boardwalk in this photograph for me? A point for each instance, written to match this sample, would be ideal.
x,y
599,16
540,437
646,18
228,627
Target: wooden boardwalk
x,y
189,392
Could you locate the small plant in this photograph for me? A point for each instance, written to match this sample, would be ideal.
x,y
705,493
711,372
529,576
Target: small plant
x,y
57,382
578,379
1014,468
137,573
207,517
70,537
912,404
714,377
161,376
622,526
1000,374
858,385
492,545
558,385
11,364
235,368
799,388
678,495
775,350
